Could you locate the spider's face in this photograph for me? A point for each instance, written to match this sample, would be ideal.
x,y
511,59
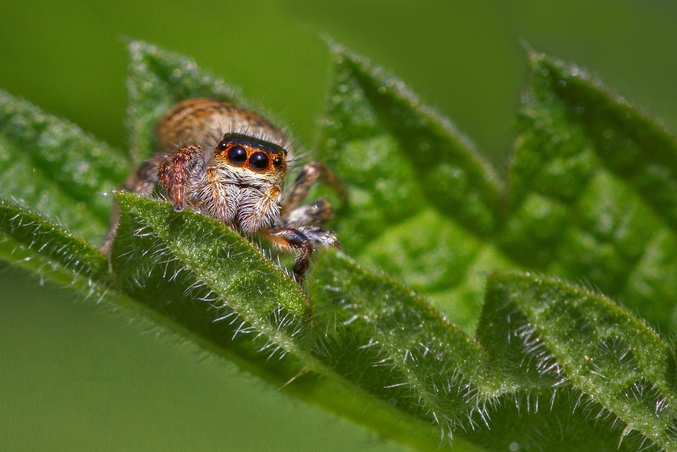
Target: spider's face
x,y
251,161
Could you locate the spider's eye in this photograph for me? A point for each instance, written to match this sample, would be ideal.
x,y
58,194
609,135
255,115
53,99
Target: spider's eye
x,y
223,145
277,161
237,155
258,161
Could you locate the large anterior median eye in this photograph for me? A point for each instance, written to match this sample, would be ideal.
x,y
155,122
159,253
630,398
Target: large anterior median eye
x,y
258,161
237,155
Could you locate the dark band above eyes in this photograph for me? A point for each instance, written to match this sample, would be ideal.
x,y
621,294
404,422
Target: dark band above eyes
x,y
266,146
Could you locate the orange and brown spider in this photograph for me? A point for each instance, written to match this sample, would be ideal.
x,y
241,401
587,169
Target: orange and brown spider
x,y
231,163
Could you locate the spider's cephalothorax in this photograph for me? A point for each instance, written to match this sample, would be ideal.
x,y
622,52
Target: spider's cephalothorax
x,y
230,163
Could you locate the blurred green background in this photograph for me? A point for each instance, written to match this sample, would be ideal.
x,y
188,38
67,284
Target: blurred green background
x,y
73,376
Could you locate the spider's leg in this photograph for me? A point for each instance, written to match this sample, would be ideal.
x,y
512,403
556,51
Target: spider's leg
x,y
322,237
314,214
294,240
310,173
302,241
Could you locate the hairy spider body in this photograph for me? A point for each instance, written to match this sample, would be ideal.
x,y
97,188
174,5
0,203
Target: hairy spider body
x,y
231,163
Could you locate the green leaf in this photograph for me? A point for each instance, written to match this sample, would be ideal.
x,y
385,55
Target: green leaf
x,y
570,336
386,338
380,338
593,191
57,169
427,210
408,158
221,259
422,202
193,269
33,242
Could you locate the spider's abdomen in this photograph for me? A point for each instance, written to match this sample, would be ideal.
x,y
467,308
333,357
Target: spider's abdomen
x,y
205,121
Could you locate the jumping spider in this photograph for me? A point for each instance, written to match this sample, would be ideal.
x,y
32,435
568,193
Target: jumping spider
x,y
231,163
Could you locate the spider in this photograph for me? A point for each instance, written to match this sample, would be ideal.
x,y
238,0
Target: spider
x,y
230,163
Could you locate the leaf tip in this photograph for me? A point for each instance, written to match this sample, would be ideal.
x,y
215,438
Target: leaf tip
x,y
334,47
135,49
526,45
